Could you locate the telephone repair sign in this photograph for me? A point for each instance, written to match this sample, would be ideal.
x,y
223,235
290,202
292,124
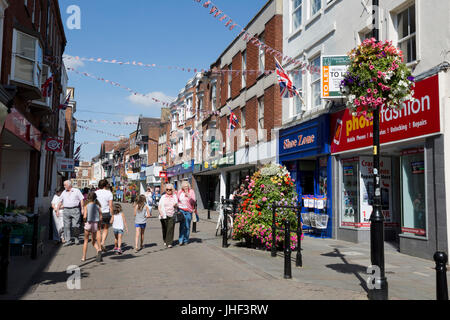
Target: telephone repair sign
x,y
333,71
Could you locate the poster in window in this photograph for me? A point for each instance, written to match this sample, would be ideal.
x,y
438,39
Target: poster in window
x,y
417,167
367,189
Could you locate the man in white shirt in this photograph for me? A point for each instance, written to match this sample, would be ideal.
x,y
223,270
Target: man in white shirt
x,y
105,197
71,199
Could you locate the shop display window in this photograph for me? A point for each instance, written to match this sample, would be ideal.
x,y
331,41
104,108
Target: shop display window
x,y
350,192
413,193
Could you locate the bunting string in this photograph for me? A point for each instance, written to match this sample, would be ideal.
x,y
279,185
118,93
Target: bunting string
x,y
312,69
230,24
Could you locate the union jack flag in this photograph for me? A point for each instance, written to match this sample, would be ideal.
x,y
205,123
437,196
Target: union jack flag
x,y
64,105
47,87
172,152
287,88
195,134
234,122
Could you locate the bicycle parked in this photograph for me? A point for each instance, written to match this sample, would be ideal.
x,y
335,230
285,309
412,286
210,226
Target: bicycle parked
x,y
219,227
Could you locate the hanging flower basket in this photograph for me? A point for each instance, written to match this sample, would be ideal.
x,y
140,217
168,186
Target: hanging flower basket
x,y
377,76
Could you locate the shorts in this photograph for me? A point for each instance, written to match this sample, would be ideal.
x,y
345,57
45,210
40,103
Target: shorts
x,y
106,220
118,231
91,226
142,226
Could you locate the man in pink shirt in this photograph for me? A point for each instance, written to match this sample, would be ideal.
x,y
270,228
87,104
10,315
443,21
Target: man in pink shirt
x,y
167,206
186,203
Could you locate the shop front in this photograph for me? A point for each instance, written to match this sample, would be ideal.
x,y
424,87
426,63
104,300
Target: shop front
x,y
20,146
212,180
180,173
304,150
412,147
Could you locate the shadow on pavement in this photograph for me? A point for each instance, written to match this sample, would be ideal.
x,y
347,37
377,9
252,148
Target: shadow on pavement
x,y
347,268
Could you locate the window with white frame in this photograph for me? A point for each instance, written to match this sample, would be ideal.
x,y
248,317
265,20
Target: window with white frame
x,y
261,118
180,145
262,55
174,122
243,125
316,101
230,77
189,108
26,59
297,79
316,5
244,69
406,29
297,9
181,115
213,96
188,140
199,111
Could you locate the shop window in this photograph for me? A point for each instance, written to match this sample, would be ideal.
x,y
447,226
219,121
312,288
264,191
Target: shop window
x,y
413,193
350,194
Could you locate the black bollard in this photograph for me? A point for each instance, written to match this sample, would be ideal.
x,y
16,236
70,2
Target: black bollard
x,y
34,242
4,259
298,258
50,224
194,227
273,250
209,210
441,275
287,251
225,225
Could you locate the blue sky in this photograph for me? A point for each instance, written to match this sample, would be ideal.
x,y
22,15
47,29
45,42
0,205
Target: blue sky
x,y
163,32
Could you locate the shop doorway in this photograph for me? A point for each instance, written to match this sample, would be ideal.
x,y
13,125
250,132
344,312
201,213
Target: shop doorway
x,y
306,177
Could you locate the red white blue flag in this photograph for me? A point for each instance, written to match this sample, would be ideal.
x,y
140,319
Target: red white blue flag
x,y
287,88
47,87
64,105
195,134
234,121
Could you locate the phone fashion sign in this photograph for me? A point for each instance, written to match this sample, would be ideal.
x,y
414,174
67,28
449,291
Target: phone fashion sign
x,y
417,118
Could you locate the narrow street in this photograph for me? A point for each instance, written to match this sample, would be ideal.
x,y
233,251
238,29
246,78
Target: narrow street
x,y
203,270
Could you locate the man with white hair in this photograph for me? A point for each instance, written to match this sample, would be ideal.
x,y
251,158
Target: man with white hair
x,y
71,199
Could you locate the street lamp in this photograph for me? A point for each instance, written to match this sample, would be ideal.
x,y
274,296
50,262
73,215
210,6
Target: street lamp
x,y
379,290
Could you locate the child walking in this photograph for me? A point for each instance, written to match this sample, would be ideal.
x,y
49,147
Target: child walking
x,y
118,222
92,215
141,214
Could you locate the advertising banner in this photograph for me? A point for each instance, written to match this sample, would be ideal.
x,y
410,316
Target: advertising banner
x,y
17,124
333,72
66,165
54,144
418,118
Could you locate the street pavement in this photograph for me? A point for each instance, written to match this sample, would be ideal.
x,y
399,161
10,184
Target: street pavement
x,y
203,270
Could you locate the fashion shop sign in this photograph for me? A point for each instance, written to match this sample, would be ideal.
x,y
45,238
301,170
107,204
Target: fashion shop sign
x,y
420,117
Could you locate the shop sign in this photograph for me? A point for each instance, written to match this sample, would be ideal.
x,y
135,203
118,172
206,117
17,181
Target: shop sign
x,y
418,118
54,144
215,145
163,174
333,72
228,160
300,141
17,124
366,190
66,165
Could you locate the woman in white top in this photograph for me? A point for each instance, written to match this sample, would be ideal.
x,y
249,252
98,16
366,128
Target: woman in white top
x,y
58,230
105,197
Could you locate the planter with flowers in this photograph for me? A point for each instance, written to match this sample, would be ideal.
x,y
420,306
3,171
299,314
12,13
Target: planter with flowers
x,y
376,77
271,184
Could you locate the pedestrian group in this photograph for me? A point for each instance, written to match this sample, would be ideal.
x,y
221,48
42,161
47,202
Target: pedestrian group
x,y
99,213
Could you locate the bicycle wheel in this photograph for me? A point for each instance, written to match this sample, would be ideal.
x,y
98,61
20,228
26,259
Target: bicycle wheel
x,y
219,226
230,227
